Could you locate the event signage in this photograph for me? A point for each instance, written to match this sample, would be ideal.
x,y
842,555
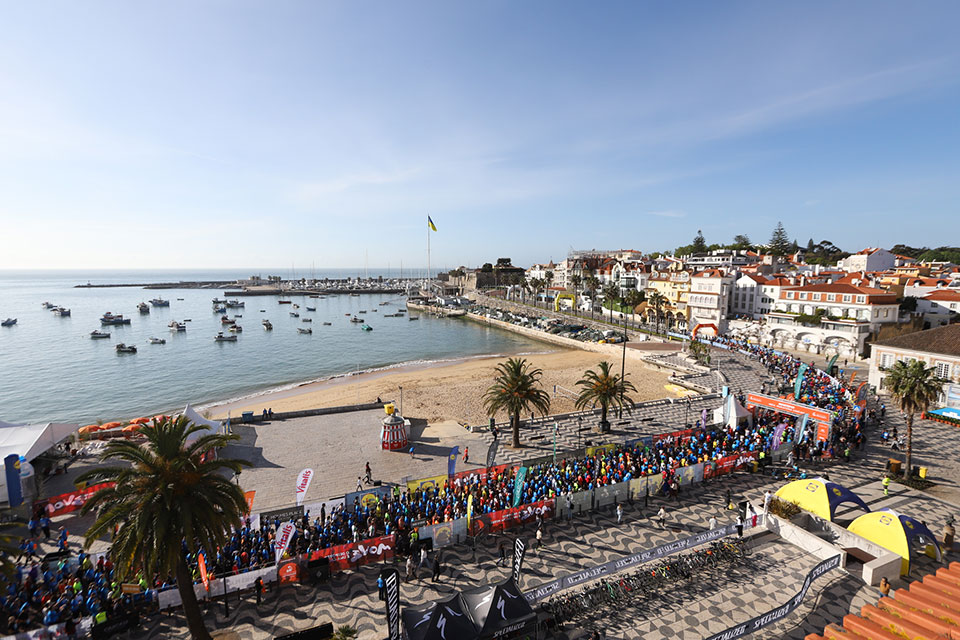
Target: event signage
x,y
492,453
799,383
822,417
355,554
202,563
664,550
249,496
518,486
507,518
11,465
303,483
452,460
284,535
366,498
519,549
283,515
72,501
775,615
391,587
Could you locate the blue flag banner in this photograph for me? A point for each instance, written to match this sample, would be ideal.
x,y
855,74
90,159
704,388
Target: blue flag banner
x,y
11,466
518,485
452,461
803,428
799,383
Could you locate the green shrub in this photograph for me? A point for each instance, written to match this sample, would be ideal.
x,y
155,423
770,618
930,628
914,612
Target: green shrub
x,y
783,508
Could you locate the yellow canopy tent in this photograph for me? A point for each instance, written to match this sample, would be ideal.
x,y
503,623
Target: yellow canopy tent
x,y
895,532
818,496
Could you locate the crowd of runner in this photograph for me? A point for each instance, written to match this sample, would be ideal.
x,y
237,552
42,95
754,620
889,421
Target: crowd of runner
x,y
49,592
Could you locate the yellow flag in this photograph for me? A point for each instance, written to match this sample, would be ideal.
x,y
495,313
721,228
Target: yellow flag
x,y
430,223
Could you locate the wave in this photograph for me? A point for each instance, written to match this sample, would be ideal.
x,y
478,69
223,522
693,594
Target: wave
x,y
360,372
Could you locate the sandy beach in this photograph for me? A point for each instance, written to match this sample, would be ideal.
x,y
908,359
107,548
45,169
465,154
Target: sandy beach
x,y
448,391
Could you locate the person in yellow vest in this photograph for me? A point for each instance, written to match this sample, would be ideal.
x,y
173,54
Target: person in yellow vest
x,y
886,485
100,618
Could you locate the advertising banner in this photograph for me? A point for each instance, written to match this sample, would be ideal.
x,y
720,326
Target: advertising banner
x,y
202,565
581,501
391,587
249,496
799,383
517,516
775,615
11,466
69,502
518,486
492,453
445,534
611,494
452,460
469,509
355,554
303,483
366,498
483,474
519,548
284,536
687,476
433,482
284,515
638,488
601,448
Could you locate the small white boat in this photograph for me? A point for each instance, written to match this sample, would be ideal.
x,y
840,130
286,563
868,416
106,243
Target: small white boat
x,y
143,307
110,319
413,318
307,331
362,311
227,320
177,326
219,309
99,335
222,338
296,306
61,311
47,305
236,328
217,301
366,327
9,322
311,308
267,325
356,320
235,304
160,302
156,341
123,348
294,314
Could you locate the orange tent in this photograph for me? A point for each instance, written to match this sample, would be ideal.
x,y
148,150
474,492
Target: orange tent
x,y
111,425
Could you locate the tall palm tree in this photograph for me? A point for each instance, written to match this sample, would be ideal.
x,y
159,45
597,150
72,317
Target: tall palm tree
x,y
605,388
537,285
516,388
593,285
657,300
523,284
611,295
170,491
576,280
914,387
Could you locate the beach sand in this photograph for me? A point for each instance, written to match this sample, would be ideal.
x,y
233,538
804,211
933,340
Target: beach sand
x,y
448,391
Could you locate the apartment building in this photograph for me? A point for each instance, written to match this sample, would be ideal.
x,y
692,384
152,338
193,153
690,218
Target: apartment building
x,y
938,348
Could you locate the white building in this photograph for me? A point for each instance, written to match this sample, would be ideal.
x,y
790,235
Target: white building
x,y
868,260
708,299
829,318
938,348
940,307
746,296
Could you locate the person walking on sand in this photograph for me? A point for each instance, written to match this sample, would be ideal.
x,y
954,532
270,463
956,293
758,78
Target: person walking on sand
x,y
466,455
369,474
359,484
662,516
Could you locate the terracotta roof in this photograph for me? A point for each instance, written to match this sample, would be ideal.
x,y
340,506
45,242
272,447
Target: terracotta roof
x,y
839,287
756,278
709,273
942,340
927,282
779,281
947,295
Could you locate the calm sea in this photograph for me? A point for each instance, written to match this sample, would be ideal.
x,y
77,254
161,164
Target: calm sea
x,y
51,370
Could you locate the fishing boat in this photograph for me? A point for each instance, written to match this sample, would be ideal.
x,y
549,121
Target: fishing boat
x,y
306,320
156,341
366,327
362,311
284,301
327,324
143,307
177,326
219,309
222,338
267,325
47,305
61,311
236,328
296,306
219,301
311,308
294,314
355,319
99,335
227,320
160,302
235,304
413,318
307,331
110,319
122,348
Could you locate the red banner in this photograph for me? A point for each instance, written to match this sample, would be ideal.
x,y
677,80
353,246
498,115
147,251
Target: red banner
x,y
517,516
202,564
484,473
355,554
728,464
70,502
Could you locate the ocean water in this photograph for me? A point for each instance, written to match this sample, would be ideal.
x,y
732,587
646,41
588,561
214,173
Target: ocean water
x,y
51,370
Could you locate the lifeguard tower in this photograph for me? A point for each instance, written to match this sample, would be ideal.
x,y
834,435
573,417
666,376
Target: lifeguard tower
x,y
394,434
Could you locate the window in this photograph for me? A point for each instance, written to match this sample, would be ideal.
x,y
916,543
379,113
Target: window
x,y
943,370
790,295
886,360
831,297
861,299
847,297
803,295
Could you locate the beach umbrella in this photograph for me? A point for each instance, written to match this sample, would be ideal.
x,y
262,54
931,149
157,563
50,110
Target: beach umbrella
x,y
112,425
90,428
140,421
134,426
160,417
895,532
818,496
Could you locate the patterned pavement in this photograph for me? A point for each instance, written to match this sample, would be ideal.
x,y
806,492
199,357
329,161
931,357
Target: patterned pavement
x,y
773,574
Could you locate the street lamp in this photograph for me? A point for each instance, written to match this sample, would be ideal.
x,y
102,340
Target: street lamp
x,y
401,402
579,429
623,361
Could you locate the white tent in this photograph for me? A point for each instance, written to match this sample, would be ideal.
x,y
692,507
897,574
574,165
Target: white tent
x,y
30,440
211,427
738,414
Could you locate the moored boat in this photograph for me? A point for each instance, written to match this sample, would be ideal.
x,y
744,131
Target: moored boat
x,y
61,311
219,301
236,328
327,324
156,341
219,309
99,335
355,319
294,314
124,348
301,330
227,320
143,307
160,302
366,327
111,319
222,338
47,305
284,301
235,304
413,318
9,322
267,325
177,326
311,308
306,320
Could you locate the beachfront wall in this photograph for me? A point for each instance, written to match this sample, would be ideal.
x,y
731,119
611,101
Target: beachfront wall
x,y
611,494
580,501
445,533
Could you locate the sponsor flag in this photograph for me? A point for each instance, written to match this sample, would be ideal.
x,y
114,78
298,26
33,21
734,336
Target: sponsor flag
x,y
832,362
778,435
492,453
248,496
11,466
803,428
703,418
430,223
452,461
202,563
519,548
391,588
303,483
518,485
799,382
853,376
469,509
283,538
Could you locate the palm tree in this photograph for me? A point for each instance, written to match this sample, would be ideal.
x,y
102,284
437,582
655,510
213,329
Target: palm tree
x,y
516,388
170,491
593,284
611,294
914,387
604,388
537,284
523,285
657,300
576,280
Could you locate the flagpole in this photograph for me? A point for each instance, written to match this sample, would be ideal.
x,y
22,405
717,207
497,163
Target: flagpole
x,y
428,255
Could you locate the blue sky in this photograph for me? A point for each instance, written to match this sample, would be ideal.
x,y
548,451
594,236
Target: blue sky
x,y
218,134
